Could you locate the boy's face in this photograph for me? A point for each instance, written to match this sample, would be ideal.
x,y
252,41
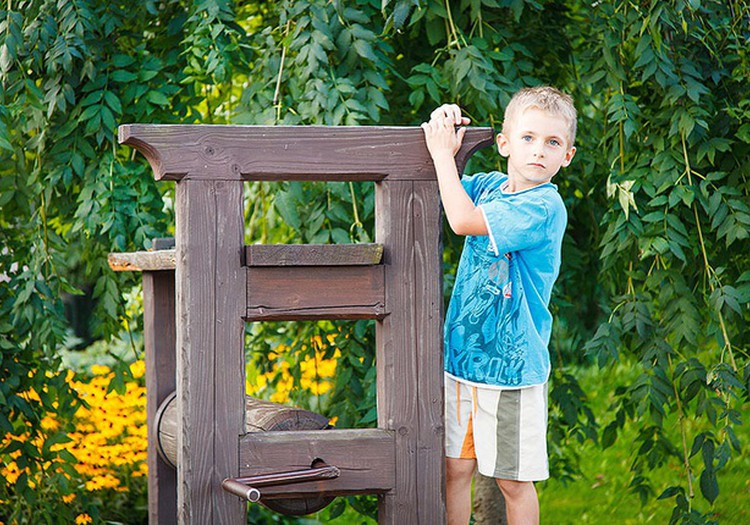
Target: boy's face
x,y
536,146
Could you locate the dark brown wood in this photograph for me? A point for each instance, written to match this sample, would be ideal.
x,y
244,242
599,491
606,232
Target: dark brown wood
x,y
315,292
210,340
229,346
353,153
429,352
313,254
260,255
159,341
364,457
397,381
401,460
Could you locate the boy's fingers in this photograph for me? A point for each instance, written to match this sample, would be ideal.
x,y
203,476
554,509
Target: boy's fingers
x,y
460,134
450,112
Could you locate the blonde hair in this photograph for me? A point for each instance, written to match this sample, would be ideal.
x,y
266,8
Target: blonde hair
x,y
546,98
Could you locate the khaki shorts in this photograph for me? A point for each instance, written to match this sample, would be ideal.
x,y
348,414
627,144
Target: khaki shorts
x,y
504,430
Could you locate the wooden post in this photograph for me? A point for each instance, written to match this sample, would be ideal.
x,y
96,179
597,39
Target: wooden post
x,y
409,350
159,341
210,343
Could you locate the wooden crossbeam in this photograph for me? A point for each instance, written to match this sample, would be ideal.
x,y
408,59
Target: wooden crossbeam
x,y
315,292
259,255
365,458
352,153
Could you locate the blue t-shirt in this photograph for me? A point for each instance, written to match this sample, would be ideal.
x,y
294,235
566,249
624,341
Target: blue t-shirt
x,y
498,324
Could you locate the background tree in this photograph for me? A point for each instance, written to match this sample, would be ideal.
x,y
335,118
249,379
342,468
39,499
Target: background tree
x,y
655,273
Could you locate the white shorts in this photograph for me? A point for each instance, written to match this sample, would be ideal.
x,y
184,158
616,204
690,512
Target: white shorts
x,y
504,430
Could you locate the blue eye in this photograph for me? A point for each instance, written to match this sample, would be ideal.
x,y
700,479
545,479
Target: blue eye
x,y
526,138
555,142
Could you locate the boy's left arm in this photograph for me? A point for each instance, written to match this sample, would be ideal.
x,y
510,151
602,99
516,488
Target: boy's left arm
x,y
443,142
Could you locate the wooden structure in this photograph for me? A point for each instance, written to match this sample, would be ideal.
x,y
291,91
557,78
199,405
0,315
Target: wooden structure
x,y
198,297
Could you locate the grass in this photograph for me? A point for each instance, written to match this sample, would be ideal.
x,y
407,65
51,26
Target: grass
x,y
602,493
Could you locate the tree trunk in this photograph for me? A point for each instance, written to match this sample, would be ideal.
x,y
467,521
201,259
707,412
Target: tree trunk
x,y
489,504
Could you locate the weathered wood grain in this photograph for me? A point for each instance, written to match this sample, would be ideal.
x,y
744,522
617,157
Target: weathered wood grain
x,y
145,261
364,456
315,292
260,416
429,352
313,254
229,346
260,255
210,389
354,153
397,381
160,342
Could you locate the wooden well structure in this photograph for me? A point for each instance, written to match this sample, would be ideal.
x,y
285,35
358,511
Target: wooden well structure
x,y
198,295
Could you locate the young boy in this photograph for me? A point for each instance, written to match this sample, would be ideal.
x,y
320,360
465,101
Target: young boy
x,y
498,324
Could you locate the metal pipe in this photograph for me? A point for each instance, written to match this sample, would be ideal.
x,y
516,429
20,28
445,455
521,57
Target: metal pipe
x,y
293,476
242,486
240,489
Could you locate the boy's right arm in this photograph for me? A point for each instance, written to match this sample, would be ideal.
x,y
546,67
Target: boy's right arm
x,y
443,142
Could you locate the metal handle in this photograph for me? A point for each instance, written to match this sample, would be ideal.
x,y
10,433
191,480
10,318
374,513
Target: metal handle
x,y
240,489
246,487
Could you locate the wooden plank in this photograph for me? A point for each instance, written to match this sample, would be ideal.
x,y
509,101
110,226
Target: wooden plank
x,y
313,254
397,381
354,153
429,350
260,255
315,292
159,341
145,261
210,389
229,348
365,458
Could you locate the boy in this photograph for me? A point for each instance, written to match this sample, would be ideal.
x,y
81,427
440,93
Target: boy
x,y
498,324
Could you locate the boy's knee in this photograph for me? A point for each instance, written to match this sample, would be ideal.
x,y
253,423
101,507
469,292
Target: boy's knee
x,y
459,469
512,489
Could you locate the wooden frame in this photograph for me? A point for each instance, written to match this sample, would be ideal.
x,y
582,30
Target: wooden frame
x,y
195,315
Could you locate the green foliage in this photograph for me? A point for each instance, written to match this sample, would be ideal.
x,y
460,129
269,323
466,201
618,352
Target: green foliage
x,y
655,260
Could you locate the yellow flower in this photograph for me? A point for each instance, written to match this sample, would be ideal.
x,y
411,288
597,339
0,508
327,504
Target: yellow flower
x,y
99,370
83,519
138,369
68,498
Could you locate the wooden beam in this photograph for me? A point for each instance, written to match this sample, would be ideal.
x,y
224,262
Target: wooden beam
x,y
315,292
260,255
210,284
365,458
397,371
313,254
142,261
356,153
159,335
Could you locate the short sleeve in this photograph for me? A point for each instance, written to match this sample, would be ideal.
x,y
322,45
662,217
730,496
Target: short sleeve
x,y
516,223
475,184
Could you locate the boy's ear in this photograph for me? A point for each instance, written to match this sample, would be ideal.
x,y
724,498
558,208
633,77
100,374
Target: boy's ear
x,y
502,145
568,157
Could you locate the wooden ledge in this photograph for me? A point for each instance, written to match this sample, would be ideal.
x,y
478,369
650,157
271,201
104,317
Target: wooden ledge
x,y
261,255
313,254
142,261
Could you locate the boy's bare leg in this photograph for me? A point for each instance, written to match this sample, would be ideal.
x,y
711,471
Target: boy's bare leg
x,y
459,473
521,501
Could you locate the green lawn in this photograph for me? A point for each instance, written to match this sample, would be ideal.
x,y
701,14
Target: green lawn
x,y
601,495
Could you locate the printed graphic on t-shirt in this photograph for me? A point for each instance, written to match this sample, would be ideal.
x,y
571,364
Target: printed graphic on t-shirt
x,y
484,342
